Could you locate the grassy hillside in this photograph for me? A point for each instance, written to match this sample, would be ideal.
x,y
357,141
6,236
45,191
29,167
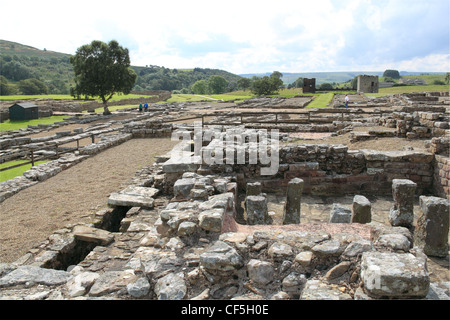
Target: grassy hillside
x,y
20,62
160,78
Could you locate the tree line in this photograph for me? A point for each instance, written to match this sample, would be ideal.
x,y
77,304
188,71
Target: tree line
x,y
21,74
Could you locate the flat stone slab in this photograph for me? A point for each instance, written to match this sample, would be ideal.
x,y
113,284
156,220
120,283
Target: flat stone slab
x,y
89,234
34,275
394,275
125,200
140,191
189,164
134,197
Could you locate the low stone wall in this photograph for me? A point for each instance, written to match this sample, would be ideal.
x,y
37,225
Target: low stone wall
x,y
152,128
335,170
442,176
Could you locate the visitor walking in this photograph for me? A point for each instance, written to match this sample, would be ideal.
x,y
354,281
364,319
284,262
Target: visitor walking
x,y
346,101
140,107
145,107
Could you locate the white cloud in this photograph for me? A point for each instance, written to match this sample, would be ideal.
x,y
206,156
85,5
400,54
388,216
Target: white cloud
x,y
244,36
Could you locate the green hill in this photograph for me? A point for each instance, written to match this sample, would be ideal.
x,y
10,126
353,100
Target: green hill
x,y
20,62
160,78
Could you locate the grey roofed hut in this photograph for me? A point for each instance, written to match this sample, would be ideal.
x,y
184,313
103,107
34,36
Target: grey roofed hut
x,y
23,111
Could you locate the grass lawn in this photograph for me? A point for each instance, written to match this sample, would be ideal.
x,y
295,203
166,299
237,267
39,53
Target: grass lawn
x,y
115,97
184,98
37,96
15,172
16,125
321,100
409,89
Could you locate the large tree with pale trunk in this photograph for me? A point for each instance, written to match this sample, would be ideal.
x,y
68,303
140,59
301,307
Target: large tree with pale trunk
x,y
102,70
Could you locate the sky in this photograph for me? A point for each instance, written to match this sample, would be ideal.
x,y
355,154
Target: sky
x,y
245,36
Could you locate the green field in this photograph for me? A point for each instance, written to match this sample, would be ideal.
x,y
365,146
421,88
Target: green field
x,y
16,125
321,101
15,172
37,96
116,97
409,89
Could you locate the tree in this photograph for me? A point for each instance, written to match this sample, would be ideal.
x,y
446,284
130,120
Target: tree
x,y
297,83
217,84
267,85
6,88
244,83
102,70
32,86
394,74
447,78
326,86
200,87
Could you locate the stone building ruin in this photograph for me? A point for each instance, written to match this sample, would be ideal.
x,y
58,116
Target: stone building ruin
x,y
367,84
205,230
309,85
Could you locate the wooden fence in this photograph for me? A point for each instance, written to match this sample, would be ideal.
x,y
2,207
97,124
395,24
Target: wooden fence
x,y
55,147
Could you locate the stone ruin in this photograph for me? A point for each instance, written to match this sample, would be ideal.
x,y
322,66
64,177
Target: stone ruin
x,y
367,84
199,231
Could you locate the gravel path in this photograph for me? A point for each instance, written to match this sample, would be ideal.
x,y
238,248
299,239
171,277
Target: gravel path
x,y
73,195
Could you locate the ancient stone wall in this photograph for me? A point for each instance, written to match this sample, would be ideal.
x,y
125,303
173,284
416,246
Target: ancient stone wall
x,y
441,175
367,84
149,128
335,170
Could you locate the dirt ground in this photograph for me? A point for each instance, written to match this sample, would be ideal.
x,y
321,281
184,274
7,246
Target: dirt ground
x,y
72,196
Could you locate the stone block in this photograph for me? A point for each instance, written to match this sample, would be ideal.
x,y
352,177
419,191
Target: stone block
x,y
183,187
171,287
89,234
291,214
211,220
394,275
254,189
431,233
340,214
124,200
280,251
362,210
402,213
174,165
221,257
260,272
256,210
